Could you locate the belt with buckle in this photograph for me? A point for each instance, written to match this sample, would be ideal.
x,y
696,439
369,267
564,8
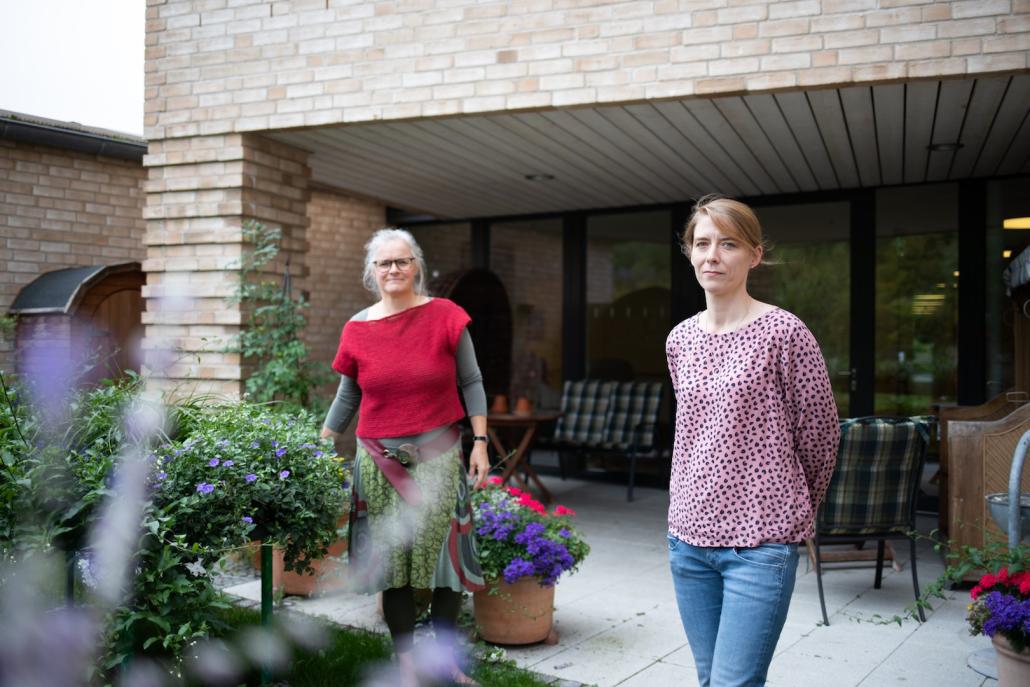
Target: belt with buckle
x,y
394,462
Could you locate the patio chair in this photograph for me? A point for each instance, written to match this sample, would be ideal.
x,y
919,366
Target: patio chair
x,y
631,427
872,494
584,406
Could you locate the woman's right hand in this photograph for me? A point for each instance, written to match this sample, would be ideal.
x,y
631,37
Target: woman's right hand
x,y
326,433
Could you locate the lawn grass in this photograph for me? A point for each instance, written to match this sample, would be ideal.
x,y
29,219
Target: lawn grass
x,y
348,653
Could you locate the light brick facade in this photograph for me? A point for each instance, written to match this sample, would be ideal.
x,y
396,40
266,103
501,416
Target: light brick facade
x,y
216,67
339,227
199,194
60,208
220,73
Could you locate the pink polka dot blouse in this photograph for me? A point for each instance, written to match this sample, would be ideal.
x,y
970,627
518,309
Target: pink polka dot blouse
x,y
756,432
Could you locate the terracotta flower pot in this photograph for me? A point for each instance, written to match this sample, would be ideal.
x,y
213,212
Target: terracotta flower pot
x,y
1013,667
520,613
327,575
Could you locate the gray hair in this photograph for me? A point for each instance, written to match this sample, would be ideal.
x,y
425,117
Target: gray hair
x,y
368,278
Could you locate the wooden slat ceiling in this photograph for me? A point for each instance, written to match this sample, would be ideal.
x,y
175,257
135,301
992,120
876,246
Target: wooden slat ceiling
x,y
671,151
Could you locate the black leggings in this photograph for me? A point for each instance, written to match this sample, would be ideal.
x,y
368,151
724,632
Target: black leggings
x,y
399,611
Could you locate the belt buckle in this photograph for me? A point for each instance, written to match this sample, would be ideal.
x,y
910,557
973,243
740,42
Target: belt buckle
x,y
406,454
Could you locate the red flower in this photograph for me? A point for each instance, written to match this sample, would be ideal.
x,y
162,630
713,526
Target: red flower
x,y
988,581
514,492
495,480
527,500
975,592
562,510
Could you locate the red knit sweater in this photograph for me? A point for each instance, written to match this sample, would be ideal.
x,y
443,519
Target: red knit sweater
x,y
404,365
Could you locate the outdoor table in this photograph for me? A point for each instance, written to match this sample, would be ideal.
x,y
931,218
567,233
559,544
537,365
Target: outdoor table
x,y
519,461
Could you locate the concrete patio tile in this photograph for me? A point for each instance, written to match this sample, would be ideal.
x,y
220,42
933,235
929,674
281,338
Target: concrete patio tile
x,y
663,675
593,666
650,638
798,668
681,657
909,665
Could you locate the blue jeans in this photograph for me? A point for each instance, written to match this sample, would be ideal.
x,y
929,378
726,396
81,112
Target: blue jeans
x,y
733,602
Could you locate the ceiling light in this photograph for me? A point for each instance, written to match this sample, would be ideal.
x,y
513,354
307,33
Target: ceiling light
x,y
944,147
1016,223
1006,254
539,177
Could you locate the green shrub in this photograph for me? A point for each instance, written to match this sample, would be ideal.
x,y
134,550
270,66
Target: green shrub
x,y
245,470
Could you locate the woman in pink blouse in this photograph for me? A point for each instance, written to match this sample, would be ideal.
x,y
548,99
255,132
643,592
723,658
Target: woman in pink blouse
x,y
756,441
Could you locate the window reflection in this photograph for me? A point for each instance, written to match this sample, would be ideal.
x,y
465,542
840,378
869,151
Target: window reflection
x,y
916,298
1006,199
527,256
628,296
809,274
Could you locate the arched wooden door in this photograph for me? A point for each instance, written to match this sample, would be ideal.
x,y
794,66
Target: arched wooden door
x,y
111,314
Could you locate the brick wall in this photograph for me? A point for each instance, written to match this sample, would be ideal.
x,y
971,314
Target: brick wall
x,y
200,192
256,65
339,227
60,208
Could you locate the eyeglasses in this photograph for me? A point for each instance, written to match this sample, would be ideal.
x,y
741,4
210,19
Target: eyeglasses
x,y
385,265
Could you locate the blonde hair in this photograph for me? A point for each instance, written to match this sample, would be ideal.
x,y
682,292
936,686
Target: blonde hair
x,y
368,278
729,216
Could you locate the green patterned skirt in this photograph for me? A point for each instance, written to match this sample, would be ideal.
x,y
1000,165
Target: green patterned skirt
x,y
394,544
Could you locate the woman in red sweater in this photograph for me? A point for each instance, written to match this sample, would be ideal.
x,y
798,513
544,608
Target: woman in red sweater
x,y
401,363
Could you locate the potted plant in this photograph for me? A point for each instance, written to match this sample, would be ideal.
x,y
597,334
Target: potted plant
x,y
246,472
524,550
1000,602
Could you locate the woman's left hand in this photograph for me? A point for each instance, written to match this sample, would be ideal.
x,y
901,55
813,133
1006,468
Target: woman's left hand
x,y
479,464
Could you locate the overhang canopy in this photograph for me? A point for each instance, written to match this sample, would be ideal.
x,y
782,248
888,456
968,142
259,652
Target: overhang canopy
x,y
61,290
658,152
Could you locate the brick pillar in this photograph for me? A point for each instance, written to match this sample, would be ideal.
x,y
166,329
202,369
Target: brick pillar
x,y
200,191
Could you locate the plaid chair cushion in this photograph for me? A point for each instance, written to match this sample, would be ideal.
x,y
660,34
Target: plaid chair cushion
x,y
878,470
584,404
633,403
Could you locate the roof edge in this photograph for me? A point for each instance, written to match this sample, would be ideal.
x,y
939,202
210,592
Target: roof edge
x,y
70,136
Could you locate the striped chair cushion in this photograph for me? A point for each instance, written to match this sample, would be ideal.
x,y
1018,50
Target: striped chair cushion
x,y
633,403
584,404
878,468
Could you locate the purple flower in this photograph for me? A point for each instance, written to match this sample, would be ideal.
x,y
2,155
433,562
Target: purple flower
x,y
213,463
564,533
280,452
162,475
247,519
254,444
228,464
250,478
284,474
318,454
308,446
1007,614
205,488
516,569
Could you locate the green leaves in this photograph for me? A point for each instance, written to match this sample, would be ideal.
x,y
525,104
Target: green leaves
x,y
270,337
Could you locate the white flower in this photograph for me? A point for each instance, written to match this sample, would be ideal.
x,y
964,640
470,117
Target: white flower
x,y
196,568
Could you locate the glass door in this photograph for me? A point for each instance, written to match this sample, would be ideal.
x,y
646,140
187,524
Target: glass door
x,y
917,283
810,275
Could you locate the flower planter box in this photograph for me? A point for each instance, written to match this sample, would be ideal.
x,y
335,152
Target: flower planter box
x,y
519,613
